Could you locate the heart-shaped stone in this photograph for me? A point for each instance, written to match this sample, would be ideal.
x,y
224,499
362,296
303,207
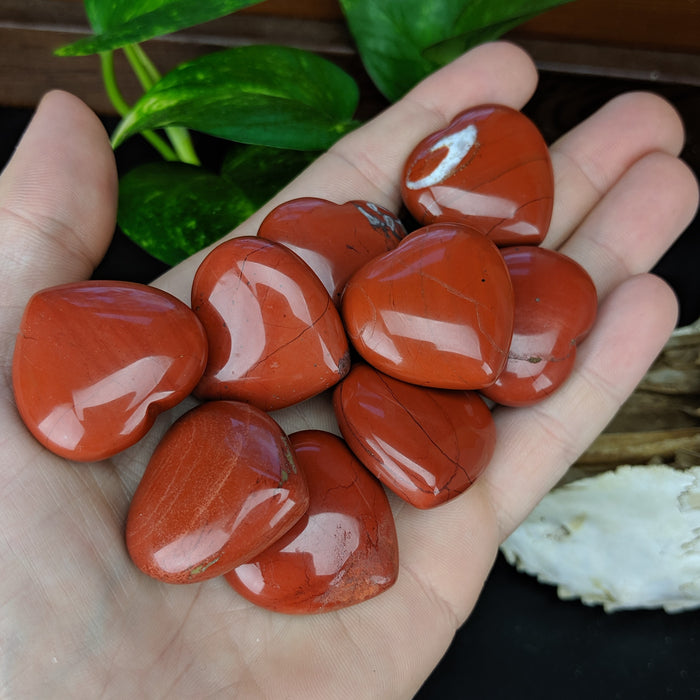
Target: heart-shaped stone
x,y
555,307
221,486
275,336
96,362
426,445
437,310
333,239
490,168
341,552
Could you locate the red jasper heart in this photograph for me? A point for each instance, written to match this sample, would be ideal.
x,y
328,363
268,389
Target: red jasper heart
x,y
426,445
489,168
96,362
220,487
275,336
437,310
555,307
341,552
333,239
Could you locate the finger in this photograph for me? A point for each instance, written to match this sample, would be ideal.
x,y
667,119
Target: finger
x,y
636,221
593,156
58,199
537,444
367,163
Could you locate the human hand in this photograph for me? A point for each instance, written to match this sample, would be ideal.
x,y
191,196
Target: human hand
x,y
79,620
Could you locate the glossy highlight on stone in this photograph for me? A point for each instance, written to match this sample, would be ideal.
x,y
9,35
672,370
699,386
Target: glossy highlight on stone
x,y
426,445
222,485
343,550
275,337
489,168
437,310
333,239
95,363
555,307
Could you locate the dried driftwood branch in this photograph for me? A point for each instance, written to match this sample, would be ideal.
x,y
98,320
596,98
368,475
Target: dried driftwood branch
x,y
660,422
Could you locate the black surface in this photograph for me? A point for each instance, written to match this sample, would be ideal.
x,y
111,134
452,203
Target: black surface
x,y
521,640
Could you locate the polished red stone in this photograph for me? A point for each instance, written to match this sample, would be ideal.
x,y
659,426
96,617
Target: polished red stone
x,y
275,336
437,310
96,362
555,307
426,445
221,486
490,168
343,550
333,239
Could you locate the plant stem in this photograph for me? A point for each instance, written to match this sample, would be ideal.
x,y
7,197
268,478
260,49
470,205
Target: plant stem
x,y
148,75
110,80
134,58
150,72
115,97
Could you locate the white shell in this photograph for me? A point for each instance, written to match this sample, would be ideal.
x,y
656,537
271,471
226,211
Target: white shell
x,y
628,538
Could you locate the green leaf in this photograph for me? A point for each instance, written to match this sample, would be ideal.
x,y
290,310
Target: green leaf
x,y
445,51
265,95
172,210
402,41
261,172
117,23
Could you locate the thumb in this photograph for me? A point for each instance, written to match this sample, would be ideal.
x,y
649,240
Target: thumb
x,y
58,197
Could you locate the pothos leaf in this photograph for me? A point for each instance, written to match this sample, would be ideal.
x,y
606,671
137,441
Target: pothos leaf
x,y
445,51
267,95
261,172
172,210
117,23
393,36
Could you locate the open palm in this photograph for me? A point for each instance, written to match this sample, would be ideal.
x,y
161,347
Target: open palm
x,y
77,619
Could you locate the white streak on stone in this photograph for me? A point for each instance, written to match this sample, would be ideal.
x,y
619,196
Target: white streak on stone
x,y
457,145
